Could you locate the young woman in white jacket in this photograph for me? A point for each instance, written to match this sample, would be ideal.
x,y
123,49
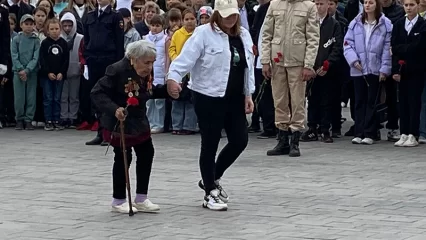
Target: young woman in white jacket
x,y
220,59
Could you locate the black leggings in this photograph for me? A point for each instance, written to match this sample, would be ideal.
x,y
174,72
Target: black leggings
x,y
144,157
215,114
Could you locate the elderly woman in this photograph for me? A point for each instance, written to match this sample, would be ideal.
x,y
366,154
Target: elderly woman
x,y
220,58
129,77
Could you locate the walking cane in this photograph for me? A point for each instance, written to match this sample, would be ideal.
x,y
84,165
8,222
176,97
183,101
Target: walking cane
x,y
126,167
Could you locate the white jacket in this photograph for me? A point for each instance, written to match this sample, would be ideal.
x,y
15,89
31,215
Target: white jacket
x,y
206,56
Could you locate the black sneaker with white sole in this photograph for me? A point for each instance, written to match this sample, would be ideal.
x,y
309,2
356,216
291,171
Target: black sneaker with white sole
x,y
222,194
213,201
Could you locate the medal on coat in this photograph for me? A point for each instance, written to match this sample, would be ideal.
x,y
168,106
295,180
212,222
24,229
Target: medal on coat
x,y
131,88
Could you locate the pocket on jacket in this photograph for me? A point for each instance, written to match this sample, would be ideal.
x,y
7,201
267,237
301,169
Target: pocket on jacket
x,y
212,58
300,18
298,50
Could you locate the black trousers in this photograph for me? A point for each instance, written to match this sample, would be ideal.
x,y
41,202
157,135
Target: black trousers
x,y
320,104
392,103
365,102
97,69
215,114
258,79
144,157
336,107
39,113
7,109
410,95
266,109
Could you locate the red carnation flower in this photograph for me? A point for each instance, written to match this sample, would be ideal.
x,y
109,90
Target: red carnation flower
x,y
279,54
276,60
401,62
345,43
132,101
255,51
325,65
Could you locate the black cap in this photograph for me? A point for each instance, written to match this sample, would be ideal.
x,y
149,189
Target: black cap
x,y
125,13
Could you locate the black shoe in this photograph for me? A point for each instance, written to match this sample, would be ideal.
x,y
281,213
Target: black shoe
x,y
253,129
266,135
326,138
336,133
48,126
283,146
28,126
96,141
104,143
19,125
350,132
73,124
58,126
310,135
294,145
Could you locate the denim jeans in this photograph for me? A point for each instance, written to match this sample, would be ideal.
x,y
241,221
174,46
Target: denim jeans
x,y
423,113
183,116
52,92
156,111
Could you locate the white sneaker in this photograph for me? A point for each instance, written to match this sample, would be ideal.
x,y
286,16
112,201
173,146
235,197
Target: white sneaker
x,y
411,141
401,140
123,208
357,140
156,130
422,140
367,141
213,202
146,206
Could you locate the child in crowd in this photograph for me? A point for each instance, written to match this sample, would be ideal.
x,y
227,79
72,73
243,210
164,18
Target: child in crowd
x,y
12,25
70,99
184,120
204,15
174,18
54,62
150,9
408,53
130,33
156,108
48,6
40,16
59,6
25,52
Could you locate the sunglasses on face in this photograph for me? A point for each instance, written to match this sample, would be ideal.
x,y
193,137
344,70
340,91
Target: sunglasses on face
x,y
137,9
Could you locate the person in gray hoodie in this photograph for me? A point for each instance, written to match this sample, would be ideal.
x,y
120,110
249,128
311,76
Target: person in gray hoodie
x,y
70,102
25,52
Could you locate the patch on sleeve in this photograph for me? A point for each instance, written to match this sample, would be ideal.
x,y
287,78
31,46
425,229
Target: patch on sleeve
x,y
121,24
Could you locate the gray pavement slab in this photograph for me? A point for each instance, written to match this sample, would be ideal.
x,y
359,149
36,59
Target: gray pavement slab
x,y
52,186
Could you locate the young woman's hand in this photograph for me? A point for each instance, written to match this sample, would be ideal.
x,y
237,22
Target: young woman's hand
x,y
59,77
396,77
249,105
51,76
358,66
382,77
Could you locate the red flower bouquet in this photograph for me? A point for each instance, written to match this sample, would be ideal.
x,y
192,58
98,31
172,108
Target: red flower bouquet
x,y
326,65
276,60
132,101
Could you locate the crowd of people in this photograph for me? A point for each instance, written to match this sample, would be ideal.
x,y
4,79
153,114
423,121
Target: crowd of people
x,y
62,65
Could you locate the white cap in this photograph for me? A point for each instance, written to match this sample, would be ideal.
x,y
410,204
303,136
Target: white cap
x,y
226,7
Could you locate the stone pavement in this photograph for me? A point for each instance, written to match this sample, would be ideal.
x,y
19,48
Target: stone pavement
x,y
52,186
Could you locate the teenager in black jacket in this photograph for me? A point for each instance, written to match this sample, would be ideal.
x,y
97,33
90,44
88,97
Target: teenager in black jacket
x,y
5,62
408,51
54,61
326,65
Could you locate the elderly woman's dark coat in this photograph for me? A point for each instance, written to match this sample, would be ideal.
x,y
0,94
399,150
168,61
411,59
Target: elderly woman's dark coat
x,y
113,90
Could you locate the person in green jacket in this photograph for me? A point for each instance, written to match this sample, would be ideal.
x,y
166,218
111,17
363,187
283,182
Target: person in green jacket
x,y
25,50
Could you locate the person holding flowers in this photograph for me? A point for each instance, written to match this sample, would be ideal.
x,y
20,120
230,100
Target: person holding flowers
x,y
326,66
367,51
121,95
408,51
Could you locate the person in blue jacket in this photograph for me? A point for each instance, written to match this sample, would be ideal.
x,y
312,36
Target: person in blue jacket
x,y
103,46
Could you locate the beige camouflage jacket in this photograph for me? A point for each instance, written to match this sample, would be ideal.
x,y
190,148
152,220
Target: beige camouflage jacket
x,y
291,34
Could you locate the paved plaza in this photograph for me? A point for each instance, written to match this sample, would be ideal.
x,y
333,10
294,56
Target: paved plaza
x,y
52,186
